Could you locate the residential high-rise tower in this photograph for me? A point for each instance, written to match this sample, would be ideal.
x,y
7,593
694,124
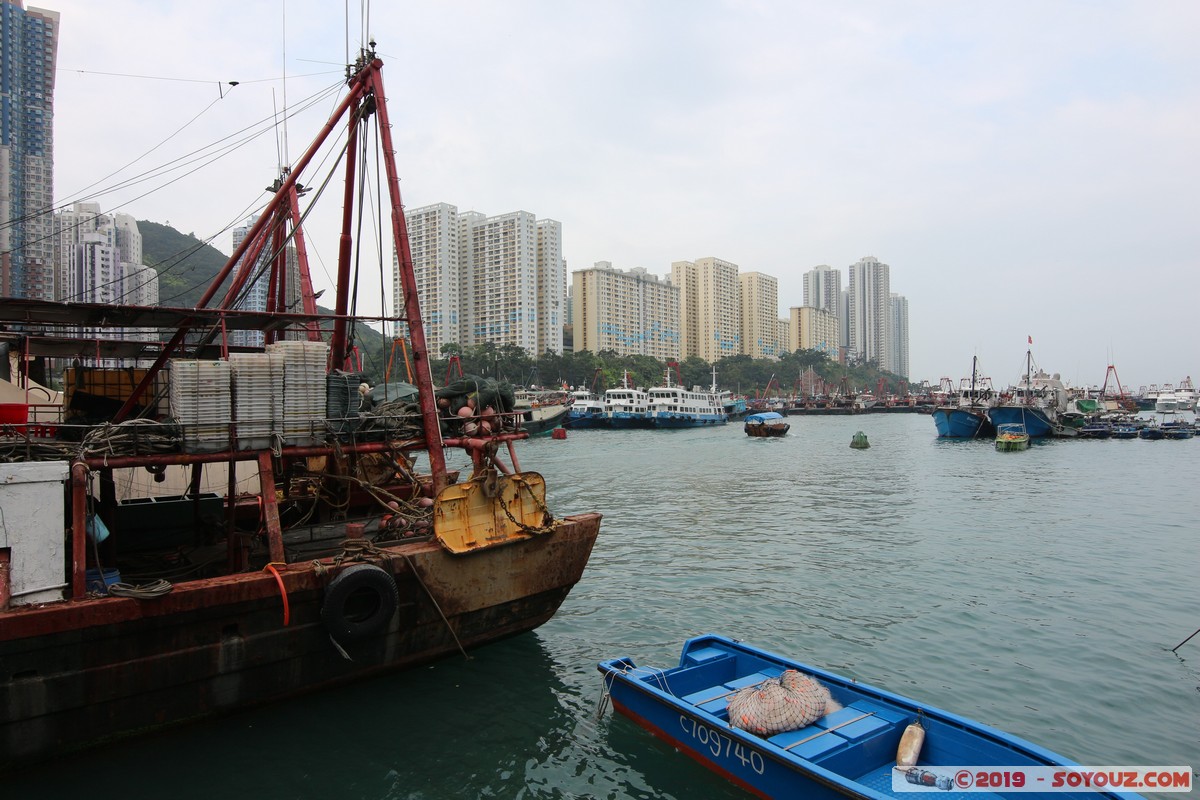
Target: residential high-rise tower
x,y
869,297
630,313
499,279
899,316
760,315
709,308
28,55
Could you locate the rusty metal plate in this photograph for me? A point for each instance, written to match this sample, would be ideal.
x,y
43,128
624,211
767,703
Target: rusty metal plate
x,y
489,510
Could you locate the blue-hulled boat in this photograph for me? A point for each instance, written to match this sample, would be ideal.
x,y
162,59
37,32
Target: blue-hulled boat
x,y
734,407
1037,401
672,406
628,406
587,408
1178,429
850,752
1096,429
1125,431
966,416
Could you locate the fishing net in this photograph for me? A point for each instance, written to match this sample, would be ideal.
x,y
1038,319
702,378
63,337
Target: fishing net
x,y
787,703
485,392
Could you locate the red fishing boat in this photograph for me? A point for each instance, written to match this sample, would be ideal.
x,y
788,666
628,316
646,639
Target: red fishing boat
x,y
335,551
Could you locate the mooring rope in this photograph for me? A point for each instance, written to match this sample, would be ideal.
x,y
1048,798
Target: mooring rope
x,y
449,627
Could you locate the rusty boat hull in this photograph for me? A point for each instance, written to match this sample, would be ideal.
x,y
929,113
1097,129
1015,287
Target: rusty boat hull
x,y
81,671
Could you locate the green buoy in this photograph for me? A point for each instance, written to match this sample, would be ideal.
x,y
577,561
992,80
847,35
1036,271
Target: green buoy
x,y
859,441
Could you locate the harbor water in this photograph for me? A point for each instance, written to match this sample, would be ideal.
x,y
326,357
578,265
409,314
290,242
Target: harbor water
x,y
1040,592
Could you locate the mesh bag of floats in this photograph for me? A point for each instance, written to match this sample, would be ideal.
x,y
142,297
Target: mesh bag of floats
x,y
787,703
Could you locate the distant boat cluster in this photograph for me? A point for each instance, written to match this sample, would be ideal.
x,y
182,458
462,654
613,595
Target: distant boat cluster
x,y
667,406
1040,404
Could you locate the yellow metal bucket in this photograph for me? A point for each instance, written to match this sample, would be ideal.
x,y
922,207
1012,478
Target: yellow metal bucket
x,y
491,510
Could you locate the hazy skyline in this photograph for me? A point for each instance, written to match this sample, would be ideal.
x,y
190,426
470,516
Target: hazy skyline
x,y
1026,169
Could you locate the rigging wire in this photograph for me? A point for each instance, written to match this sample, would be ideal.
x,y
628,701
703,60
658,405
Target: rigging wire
x,y
216,156
283,11
177,163
312,204
200,80
177,131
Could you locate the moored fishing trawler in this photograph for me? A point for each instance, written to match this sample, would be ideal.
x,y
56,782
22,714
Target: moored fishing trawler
x,y
228,540
967,416
1037,402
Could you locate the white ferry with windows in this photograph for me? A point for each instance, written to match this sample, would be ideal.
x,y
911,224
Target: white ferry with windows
x,y
672,406
628,406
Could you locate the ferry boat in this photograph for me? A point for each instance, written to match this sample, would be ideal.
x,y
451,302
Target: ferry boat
x,y
967,417
172,602
587,407
628,406
672,406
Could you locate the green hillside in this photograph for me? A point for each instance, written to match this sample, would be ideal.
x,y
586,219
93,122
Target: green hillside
x,y
186,266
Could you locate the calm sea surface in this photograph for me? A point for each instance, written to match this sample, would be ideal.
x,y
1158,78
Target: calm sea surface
x,y
1040,592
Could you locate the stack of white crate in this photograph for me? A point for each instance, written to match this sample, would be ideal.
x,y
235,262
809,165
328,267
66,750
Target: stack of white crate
x,y
301,417
257,397
200,402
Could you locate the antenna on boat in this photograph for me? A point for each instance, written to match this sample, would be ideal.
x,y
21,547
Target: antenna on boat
x,y
286,156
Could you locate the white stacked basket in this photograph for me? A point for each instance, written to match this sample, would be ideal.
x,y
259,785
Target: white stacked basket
x,y
200,402
257,397
300,418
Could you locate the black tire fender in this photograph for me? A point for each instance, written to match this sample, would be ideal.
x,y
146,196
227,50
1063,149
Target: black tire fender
x,y
359,603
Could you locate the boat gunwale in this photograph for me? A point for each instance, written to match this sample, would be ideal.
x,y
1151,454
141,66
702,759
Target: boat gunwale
x,y
59,616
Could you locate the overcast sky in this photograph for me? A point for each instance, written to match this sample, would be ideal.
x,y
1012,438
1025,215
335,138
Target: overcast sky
x,y
1025,168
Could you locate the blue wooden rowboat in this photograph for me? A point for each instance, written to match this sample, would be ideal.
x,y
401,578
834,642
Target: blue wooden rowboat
x,y
848,753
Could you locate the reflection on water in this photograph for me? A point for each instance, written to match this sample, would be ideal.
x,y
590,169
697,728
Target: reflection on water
x,y
1039,592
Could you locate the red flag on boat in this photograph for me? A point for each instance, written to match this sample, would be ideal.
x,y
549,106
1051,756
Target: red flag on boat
x,y
1031,340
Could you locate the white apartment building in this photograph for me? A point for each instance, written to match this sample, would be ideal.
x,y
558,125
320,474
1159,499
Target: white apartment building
x,y
552,287
98,258
499,279
71,225
502,309
128,238
843,316
630,313
813,329
709,308
433,239
823,288
255,294
141,285
899,317
869,312
760,315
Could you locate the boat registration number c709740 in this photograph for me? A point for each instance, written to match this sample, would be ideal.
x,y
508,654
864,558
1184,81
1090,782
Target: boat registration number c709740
x,y
722,745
